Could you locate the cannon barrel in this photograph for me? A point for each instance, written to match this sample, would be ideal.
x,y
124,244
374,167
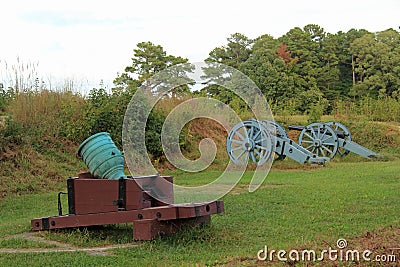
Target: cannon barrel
x,y
102,157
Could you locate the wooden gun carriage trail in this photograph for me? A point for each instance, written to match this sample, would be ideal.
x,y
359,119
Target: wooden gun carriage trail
x,y
123,199
318,143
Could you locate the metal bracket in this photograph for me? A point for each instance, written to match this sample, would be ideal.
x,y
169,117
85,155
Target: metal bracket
x,y
71,196
45,224
197,211
219,208
59,202
121,201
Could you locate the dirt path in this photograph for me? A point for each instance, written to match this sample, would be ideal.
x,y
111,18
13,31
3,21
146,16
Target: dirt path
x,y
60,247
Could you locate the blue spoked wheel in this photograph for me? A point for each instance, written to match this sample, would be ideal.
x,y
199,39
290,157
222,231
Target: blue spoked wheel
x,y
319,139
249,139
337,126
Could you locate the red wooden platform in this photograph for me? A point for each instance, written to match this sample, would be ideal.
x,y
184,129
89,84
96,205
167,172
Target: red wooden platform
x,y
100,201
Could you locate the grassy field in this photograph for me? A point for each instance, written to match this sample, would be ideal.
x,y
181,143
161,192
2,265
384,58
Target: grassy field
x,y
295,208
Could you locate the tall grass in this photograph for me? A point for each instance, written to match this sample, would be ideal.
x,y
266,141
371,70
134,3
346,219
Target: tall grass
x,y
372,123
49,114
39,141
382,109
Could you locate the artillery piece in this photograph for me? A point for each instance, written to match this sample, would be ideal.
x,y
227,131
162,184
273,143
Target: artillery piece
x,y
106,196
258,140
318,142
330,138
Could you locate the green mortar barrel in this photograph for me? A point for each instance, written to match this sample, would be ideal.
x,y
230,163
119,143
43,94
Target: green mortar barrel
x,y
102,156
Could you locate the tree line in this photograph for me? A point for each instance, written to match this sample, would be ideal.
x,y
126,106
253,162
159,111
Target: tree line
x,y
304,67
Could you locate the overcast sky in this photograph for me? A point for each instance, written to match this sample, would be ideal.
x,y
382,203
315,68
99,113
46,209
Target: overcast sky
x,y
90,41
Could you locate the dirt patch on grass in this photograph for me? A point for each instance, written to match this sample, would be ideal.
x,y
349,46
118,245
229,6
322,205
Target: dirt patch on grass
x,y
291,165
59,247
8,153
383,242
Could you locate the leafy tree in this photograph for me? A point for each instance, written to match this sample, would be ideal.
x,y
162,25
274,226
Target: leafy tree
x,y
148,59
124,81
339,45
270,73
265,41
376,64
304,44
311,69
328,72
237,51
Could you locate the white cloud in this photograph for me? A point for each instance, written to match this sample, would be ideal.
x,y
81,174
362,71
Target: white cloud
x,y
94,40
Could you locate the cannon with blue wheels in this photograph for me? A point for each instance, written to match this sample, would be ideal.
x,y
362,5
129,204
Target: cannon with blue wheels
x,y
329,139
260,141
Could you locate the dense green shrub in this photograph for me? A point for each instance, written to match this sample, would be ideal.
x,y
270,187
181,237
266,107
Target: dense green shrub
x,y
106,112
153,134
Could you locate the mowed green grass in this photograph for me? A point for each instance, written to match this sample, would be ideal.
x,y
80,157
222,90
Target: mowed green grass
x,y
293,209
